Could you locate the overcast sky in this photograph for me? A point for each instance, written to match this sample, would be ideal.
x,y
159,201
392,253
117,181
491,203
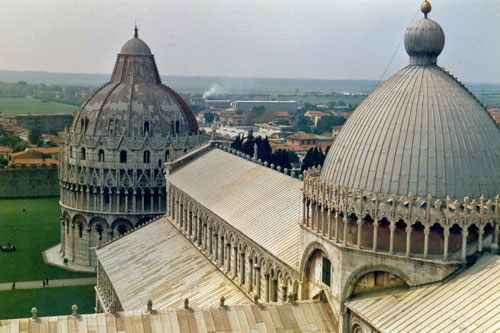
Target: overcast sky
x,y
327,39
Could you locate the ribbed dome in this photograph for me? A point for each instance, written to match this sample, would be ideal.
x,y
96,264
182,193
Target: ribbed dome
x,y
420,132
135,99
135,46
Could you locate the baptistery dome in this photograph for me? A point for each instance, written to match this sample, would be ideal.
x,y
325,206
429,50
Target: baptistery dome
x,y
111,167
420,132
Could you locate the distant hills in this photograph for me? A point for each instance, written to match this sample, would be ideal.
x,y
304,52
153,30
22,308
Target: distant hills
x,y
222,85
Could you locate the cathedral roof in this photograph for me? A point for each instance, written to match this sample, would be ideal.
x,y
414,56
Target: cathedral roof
x,y
133,97
157,263
420,132
466,303
263,204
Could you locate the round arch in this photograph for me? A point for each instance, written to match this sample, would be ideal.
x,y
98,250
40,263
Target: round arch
x,y
310,249
356,275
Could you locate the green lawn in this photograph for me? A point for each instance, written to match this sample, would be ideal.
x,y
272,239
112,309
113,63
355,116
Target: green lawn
x,y
32,231
48,301
12,106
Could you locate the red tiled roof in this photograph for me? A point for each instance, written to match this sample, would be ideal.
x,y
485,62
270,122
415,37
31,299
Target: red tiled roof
x,y
303,136
5,150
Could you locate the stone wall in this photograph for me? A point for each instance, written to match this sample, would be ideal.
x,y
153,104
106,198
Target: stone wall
x,y
29,182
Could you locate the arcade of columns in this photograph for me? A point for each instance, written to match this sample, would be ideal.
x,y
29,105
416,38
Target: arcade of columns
x,y
396,225
259,274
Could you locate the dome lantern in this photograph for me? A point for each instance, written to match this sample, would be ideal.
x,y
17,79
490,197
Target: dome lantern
x,y
424,39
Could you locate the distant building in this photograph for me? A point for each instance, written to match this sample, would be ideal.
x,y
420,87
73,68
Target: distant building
x,y
217,103
302,139
336,130
495,114
35,156
231,119
44,122
1,117
5,152
228,132
315,116
290,106
275,131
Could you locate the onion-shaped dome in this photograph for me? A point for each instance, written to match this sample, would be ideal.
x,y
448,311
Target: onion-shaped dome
x,y
420,132
135,101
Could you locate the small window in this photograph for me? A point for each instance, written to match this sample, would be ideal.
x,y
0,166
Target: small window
x,y
123,156
101,155
71,151
146,156
327,267
86,124
167,155
159,163
177,127
82,154
146,127
99,230
80,230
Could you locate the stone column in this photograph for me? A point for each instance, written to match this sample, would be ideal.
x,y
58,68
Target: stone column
x,y
210,241
190,223
446,234
73,242
319,215
426,241
195,228
110,194
134,202
330,224
87,204
283,292
242,267
375,232
310,213
408,241
480,239
465,233
200,231
304,213
180,221
326,222
216,247
76,197
266,287
337,228
142,201
88,247
346,224
258,277
63,238
392,228
360,225
126,200
250,275
235,261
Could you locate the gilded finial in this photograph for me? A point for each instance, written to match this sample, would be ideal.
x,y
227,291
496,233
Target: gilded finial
x,y
136,32
425,8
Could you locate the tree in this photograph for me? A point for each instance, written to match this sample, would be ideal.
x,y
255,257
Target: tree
x,y
303,124
34,136
325,124
247,147
341,103
238,141
209,117
331,105
292,157
258,114
314,157
20,146
264,151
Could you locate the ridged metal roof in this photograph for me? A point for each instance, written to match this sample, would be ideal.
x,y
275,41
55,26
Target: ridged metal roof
x,y
302,316
263,204
157,263
467,303
420,132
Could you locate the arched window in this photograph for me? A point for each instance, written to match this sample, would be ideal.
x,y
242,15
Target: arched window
x,y
146,156
159,163
123,156
146,127
99,230
82,154
100,157
80,230
177,127
167,155
71,151
122,229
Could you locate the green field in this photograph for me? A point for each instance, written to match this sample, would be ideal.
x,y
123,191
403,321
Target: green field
x,y
12,106
32,231
48,301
